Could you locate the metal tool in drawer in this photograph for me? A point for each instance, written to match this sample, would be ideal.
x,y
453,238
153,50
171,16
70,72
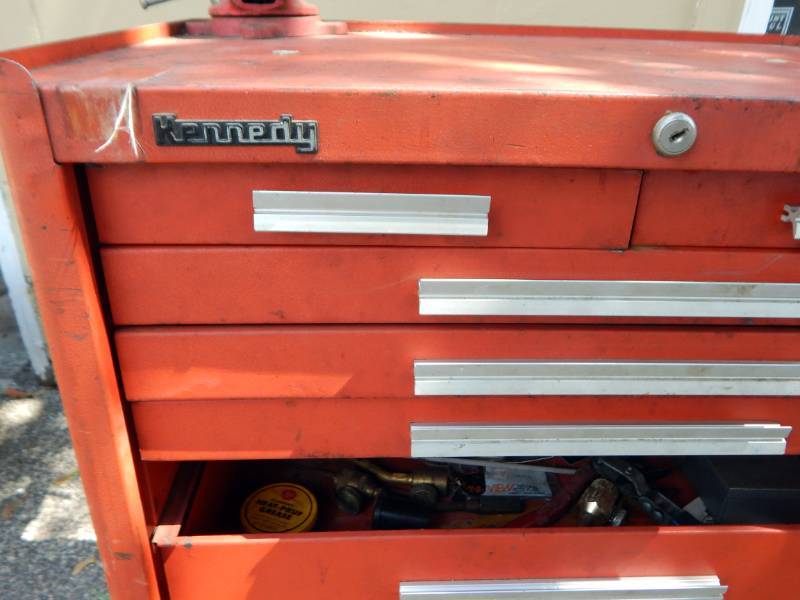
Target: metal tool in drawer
x,y
604,378
618,588
489,440
366,213
520,297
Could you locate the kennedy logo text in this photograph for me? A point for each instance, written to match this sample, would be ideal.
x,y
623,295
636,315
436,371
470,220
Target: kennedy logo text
x,y
303,135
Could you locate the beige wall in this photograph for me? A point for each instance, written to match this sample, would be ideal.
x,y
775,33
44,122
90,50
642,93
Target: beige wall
x,y
659,14
36,21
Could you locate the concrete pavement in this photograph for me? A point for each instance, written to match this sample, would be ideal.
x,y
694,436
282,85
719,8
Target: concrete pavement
x,y
46,537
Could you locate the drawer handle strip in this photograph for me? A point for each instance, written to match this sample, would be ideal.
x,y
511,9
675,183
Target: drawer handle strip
x,y
344,212
792,215
519,297
604,378
466,440
641,588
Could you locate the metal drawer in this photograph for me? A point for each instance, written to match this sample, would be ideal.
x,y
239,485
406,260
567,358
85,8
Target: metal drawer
x,y
351,390
217,285
686,563
388,205
745,210
166,363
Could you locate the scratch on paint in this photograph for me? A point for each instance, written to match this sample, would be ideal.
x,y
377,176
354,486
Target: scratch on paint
x,y
124,122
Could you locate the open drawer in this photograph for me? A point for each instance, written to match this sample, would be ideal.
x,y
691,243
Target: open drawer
x,y
316,204
206,555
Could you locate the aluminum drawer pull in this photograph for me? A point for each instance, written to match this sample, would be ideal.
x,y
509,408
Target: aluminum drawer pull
x,y
344,212
466,440
621,588
792,215
519,297
604,378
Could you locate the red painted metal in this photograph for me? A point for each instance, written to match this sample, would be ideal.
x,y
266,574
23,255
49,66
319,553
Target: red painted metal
x,y
389,97
242,8
264,27
224,285
259,428
258,20
716,209
60,256
201,561
182,363
158,477
213,204
752,561
560,31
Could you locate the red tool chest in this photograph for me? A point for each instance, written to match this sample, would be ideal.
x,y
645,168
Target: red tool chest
x,y
413,240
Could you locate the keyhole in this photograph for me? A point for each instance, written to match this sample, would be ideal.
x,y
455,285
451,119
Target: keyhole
x,y
676,137
674,134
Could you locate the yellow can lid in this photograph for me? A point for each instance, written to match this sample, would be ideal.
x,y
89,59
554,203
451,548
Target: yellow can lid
x,y
279,508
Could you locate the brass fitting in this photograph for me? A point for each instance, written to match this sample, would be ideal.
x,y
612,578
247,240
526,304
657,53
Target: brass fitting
x,y
437,479
352,490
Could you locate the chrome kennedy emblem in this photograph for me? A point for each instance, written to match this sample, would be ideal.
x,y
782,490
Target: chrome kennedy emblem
x,y
285,131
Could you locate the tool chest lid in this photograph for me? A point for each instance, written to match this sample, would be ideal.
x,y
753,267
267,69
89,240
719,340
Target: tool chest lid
x,y
458,94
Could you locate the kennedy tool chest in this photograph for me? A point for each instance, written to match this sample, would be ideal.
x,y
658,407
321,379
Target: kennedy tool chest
x,y
367,265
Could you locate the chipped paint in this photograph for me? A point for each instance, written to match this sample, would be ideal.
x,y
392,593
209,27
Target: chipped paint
x,y
124,122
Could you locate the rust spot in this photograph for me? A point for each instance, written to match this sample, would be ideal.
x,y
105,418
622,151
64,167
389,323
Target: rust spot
x,y
123,555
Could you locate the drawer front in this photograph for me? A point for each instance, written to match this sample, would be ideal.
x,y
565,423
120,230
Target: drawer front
x,y
214,285
364,204
689,563
404,361
746,210
376,427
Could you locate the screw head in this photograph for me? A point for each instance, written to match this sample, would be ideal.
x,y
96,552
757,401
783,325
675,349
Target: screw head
x,y
674,134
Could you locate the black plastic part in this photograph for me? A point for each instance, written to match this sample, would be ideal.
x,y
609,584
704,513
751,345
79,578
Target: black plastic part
x,y
397,513
748,490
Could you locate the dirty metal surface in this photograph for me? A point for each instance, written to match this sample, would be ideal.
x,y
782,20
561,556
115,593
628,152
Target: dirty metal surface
x,y
411,96
401,62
